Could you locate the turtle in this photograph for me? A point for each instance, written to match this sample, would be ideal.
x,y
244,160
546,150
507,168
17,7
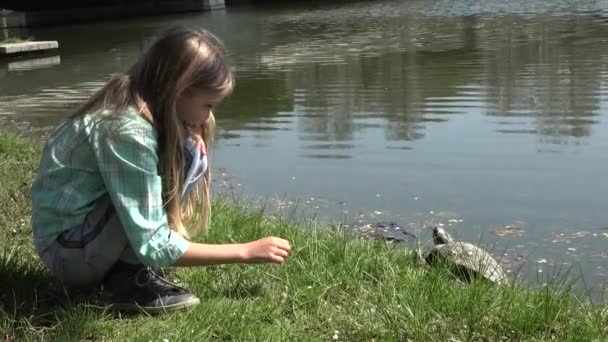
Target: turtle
x,y
464,259
389,231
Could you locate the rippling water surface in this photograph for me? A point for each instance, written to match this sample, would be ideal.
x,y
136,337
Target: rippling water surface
x,y
486,116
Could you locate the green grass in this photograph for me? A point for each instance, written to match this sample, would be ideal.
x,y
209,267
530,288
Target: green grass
x,y
331,288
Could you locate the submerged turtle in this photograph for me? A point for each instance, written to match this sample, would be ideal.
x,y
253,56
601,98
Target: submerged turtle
x,y
389,231
464,259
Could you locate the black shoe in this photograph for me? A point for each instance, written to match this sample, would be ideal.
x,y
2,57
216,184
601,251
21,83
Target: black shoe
x,y
136,288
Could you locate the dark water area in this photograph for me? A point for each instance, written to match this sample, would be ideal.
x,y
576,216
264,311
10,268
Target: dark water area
x,y
488,117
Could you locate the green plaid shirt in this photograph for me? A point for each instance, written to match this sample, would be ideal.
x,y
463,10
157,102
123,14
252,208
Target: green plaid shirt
x,y
95,154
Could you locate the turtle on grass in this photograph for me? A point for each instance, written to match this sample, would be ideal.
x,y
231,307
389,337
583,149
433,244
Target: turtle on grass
x,y
464,259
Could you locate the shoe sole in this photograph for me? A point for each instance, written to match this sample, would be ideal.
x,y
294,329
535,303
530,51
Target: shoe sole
x,y
154,309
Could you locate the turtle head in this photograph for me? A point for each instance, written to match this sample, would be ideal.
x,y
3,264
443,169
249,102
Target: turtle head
x,y
440,236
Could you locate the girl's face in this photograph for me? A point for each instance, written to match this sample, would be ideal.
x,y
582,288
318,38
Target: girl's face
x,y
195,106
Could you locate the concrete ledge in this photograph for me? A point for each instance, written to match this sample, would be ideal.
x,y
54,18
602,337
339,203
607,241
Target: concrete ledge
x,y
13,48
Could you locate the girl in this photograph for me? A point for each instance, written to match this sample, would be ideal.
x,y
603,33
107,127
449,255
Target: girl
x,y
123,177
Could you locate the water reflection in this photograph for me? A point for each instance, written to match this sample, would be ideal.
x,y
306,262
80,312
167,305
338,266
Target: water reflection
x,y
334,74
553,75
418,71
34,63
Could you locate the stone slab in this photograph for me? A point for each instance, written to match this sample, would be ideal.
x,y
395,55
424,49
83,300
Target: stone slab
x,y
12,48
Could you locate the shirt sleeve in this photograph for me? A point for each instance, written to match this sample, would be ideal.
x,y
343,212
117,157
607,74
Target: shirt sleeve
x,y
128,163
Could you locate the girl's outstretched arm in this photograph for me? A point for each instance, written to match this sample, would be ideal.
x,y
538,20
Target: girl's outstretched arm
x,y
269,249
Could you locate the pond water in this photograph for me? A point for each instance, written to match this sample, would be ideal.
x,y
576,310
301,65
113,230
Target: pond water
x,y
489,117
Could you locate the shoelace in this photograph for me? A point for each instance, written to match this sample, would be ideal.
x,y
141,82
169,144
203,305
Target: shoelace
x,y
157,279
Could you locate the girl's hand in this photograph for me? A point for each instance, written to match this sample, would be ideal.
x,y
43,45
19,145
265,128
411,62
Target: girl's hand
x,y
269,249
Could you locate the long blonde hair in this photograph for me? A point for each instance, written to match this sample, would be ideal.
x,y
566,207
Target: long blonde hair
x,y
178,60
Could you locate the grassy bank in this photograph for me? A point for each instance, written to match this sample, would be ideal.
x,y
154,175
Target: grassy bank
x,y
331,289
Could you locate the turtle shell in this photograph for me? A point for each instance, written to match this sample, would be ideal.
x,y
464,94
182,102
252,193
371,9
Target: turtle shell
x,y
468,261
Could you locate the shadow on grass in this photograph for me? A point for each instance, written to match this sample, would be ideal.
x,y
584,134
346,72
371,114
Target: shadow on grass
x,y
229,285
241,291
29,295
25,291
